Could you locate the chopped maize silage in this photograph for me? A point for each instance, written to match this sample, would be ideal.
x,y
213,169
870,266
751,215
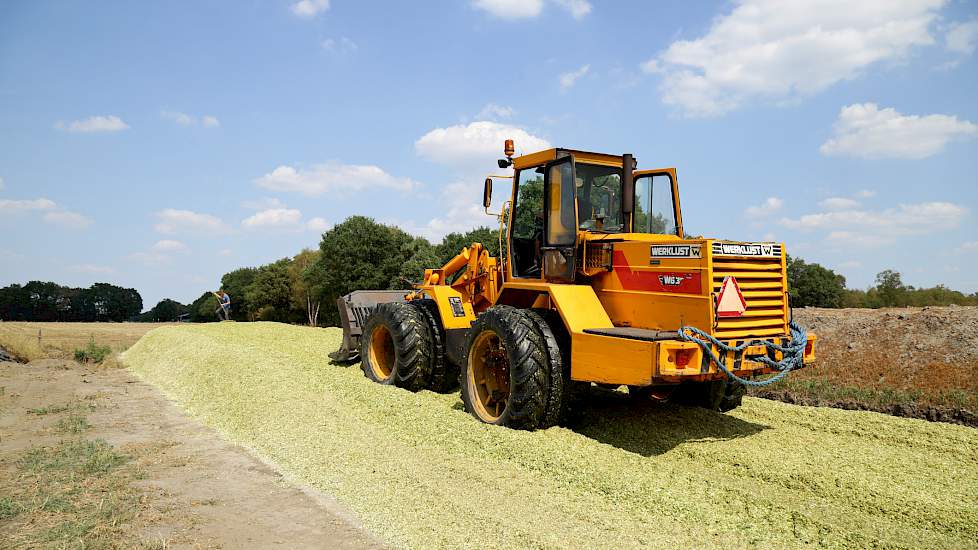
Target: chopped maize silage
x,y
420,472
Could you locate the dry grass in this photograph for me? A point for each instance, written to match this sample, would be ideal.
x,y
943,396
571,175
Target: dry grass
x,y
60,340
421,473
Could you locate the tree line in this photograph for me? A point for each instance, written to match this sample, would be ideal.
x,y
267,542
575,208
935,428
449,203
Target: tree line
x,y
363,254
356,254
812,285
45,301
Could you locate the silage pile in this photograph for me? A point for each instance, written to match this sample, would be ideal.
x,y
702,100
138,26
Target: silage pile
x,y
420,472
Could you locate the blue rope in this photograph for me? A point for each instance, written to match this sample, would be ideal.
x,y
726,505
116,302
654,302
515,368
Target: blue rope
x,y
793,352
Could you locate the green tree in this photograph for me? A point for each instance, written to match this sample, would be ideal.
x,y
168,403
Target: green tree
x,y
453,243
202,309
358,254
270,293
890,288
165,311
814,285
420,256
306,295
236,284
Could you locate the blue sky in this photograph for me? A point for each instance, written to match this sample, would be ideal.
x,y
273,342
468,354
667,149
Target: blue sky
x,y
159,145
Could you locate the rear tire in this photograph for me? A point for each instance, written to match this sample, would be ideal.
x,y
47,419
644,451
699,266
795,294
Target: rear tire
x,y
715,395
506,376
397,346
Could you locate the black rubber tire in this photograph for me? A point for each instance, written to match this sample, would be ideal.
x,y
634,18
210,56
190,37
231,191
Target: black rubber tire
x,y
529,373
555,336
413,345
715,395
733,396
444,373
644,393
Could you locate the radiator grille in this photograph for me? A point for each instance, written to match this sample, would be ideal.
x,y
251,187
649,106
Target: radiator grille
x,y
762,282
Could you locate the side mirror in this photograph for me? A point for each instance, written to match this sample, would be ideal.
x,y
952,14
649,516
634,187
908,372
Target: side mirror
x,y
627,185
487,193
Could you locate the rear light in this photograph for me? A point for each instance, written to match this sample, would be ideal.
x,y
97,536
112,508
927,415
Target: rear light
x,y
683,356
809,347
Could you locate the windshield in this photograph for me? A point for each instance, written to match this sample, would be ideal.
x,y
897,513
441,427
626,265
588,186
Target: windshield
x,y
599,198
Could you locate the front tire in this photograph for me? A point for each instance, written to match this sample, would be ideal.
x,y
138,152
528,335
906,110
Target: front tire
x,y
505,380
397,346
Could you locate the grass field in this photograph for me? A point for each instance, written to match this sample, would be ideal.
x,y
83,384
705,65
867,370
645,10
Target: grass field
x,y
420,472
30,341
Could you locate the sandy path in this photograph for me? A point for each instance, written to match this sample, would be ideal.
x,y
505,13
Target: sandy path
x,y
210,493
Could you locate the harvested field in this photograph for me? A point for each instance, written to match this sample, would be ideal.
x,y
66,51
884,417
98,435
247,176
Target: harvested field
x,y
28,341
420,472
915,362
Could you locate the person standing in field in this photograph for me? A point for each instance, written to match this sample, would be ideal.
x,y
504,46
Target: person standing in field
x,y
224,302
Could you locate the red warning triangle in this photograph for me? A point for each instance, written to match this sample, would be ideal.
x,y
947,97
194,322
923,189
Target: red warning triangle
x,y
730,301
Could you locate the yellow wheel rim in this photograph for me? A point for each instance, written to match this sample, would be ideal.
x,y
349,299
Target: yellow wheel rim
x,y
381,352
488,376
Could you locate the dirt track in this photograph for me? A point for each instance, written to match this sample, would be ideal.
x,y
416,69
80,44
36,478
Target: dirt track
x,y
199,491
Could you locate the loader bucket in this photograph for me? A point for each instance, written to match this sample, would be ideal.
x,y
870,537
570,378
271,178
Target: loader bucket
x,y
354,308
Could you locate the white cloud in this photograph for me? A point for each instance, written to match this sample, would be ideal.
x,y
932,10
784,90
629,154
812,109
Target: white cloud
x,y
770,206
764,49
343,45
495,112
839,203
93,269
1,184
871,228
172,220
66,218
53,214
264,203
567,80
865,194
225,252
866,131
962,37
332,176
970,246
7,205
510,9
274,218
461,211
318,225
475,145
309,8
577,8
169,245
109,123
526,9
183,119
851,264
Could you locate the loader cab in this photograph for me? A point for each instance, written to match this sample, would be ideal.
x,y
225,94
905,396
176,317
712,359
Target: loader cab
x,y
560,196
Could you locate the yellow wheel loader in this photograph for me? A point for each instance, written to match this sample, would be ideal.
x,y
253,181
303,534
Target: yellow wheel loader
x,y
597,283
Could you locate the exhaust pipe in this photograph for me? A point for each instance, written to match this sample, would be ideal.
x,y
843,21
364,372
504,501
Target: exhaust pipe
x,y
627,187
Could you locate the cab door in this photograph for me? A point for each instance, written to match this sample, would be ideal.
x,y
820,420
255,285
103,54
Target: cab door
x,y
560,221
656,207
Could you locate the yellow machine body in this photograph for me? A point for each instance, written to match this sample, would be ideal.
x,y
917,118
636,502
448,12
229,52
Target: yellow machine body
x,y
627,293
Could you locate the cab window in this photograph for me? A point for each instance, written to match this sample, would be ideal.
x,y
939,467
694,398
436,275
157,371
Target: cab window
x,y
599,198
655,211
